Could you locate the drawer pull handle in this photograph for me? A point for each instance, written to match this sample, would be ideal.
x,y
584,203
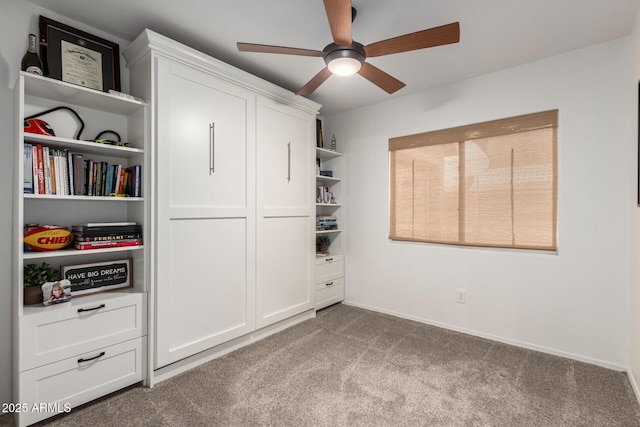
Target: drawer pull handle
x,y
328,283
91,358
82,310
329,259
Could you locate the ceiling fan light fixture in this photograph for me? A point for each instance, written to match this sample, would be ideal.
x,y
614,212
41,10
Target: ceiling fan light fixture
x,y
344,60
344,66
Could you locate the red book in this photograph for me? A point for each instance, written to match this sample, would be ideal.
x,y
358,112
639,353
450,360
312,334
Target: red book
x,y
120,181
103,245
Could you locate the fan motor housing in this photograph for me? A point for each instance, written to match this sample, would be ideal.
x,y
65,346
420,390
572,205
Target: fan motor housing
x,y
334,51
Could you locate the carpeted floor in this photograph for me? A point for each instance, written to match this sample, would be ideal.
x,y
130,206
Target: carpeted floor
x,y
353,367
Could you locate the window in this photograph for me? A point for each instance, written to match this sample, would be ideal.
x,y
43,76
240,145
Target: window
x,y
488,184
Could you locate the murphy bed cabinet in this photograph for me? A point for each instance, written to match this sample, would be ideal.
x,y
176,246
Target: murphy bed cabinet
x,y
233,203
92,345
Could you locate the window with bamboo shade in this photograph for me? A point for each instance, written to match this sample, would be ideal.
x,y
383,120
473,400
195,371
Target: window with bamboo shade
x,y
488,184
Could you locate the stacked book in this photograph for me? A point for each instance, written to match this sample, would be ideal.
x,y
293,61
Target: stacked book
x,y
326,223
101,235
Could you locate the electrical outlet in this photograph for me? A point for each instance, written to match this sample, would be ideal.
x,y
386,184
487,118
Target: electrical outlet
x,y
461,296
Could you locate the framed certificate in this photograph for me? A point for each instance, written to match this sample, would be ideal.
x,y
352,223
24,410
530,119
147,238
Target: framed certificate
x,y
77,57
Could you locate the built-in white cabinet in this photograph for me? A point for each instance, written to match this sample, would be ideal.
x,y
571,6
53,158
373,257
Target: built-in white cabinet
x,y
205,208
329,268
285,211
74,352
234,201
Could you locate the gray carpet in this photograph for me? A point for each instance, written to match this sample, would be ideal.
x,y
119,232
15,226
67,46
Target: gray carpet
x,y
353,367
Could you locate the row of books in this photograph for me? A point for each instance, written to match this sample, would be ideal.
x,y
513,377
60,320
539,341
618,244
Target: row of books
x,y
58,171
106,235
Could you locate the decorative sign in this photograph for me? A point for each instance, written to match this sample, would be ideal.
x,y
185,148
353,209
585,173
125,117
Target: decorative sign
x,y
98,276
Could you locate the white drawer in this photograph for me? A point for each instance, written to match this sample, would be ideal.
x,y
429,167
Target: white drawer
x,y
329,292
75,381
330,267
56,332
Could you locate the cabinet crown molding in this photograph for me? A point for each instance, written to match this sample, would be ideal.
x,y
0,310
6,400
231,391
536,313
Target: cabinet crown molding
x,y
149,41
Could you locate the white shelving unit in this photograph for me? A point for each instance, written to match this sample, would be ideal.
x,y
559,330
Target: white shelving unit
x,y
77,351
329,273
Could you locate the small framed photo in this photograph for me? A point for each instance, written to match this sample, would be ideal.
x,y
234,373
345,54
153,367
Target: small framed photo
x,y
98,276
77,57
56,292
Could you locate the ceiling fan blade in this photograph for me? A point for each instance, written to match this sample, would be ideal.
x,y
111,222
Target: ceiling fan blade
x,y
265,48
381,79
339,15
316,81
436,36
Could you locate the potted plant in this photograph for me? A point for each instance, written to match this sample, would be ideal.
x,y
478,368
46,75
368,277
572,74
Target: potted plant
x,y
322,244
34,276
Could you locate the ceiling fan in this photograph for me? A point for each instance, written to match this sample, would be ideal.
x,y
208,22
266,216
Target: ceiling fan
x,y
345,56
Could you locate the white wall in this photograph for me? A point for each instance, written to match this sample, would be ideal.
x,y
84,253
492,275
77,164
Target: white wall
x,y
17,20
634,358
574,302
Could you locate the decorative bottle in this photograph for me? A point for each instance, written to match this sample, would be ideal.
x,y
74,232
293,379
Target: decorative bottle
x,y
30,61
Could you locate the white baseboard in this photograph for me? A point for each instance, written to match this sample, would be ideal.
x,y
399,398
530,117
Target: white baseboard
x,y
634,384
497,338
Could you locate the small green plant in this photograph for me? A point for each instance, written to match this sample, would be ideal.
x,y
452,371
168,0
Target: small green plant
x,y
322,241
322,244
36,275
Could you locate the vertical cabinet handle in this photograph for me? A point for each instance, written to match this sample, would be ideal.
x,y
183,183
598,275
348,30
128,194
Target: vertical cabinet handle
x,y
289,162
212,148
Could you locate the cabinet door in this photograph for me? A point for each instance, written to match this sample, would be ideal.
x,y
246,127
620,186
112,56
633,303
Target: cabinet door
x,y
285,212
205,212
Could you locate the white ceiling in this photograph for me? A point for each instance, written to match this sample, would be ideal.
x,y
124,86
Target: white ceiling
x,y
494,34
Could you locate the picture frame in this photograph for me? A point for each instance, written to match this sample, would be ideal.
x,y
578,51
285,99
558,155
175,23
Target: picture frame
x,y
77,57
99,276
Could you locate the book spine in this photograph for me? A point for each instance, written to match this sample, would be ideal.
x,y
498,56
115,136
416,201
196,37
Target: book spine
x,y
109,182
120,180
68,169
81,175
107,238
137,182
56,173
85,177
36,189
94,178
46,162
27,182
103,245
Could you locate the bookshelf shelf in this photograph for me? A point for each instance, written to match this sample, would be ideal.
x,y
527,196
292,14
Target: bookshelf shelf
x,y
84,198
47,88
87,147
76,252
